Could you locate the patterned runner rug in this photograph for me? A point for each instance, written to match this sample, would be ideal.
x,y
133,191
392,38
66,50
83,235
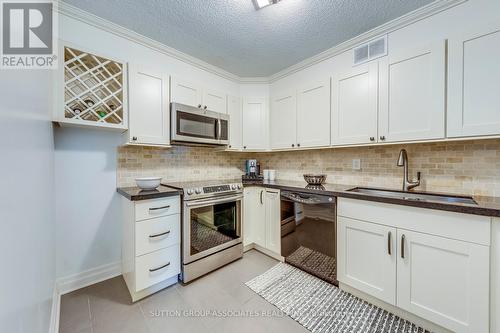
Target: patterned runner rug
x,y
321,307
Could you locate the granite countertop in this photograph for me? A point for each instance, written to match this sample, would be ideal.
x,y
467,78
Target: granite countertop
x,y
486,206
136,194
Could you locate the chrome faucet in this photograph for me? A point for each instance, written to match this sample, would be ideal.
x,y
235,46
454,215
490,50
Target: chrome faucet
x,y
403,162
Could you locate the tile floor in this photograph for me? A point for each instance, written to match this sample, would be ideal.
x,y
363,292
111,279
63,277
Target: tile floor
x,y
106,306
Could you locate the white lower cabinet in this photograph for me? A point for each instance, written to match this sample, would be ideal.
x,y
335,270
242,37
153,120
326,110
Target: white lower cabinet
x,y
367,258
261,218
433,264
444,280
151,250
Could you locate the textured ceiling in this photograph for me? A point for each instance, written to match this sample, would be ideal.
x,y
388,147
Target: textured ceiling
x,y
234,36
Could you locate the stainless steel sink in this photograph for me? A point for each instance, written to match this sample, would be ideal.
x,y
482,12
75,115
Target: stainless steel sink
x,y
415,196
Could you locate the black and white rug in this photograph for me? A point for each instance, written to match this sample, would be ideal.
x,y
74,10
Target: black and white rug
x,y
322,307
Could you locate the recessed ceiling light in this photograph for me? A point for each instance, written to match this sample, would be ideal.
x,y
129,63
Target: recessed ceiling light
x,y
264,3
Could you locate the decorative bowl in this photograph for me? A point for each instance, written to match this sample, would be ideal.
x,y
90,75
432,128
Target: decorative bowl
x,y
312,179
148,183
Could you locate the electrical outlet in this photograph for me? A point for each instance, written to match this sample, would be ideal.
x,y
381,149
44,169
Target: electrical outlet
x,y
356,164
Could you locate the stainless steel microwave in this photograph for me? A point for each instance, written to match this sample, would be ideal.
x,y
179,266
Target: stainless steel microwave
x,y
191,125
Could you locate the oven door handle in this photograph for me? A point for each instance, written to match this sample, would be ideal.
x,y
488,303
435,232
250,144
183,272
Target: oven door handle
x,y
196,203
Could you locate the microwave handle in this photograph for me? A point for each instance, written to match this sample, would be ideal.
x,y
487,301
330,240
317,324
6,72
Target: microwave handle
x,y
219,129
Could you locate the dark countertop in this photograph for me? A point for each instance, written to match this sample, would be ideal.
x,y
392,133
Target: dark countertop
x,y
136,194
486,206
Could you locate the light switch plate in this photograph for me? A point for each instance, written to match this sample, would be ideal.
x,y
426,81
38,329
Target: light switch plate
x,y
356,164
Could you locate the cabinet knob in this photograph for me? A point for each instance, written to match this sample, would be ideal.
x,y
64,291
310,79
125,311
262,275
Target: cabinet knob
x,y
205,107
244,147
229,146
298,144
134,138
372,138
382,137
199,106
293,145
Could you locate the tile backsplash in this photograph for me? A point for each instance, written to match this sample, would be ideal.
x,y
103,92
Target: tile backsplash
x,y
462,167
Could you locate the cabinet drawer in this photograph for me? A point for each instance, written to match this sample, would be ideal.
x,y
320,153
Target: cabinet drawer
x,y
156,267
155,234
158,207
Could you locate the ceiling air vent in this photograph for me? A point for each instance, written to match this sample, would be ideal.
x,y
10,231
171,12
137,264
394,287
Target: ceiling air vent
x,y
372,50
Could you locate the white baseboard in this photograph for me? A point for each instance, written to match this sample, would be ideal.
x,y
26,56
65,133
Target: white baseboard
x,y
86,278
55,311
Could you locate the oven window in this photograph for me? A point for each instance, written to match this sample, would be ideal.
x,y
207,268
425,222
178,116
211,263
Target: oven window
x,y
198,126
214,225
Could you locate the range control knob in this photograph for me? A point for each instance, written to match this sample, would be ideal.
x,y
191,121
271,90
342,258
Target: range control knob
x,y
189,191
233,187
198,190
239,186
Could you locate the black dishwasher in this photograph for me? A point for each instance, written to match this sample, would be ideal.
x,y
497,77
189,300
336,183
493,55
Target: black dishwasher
x,y
309,233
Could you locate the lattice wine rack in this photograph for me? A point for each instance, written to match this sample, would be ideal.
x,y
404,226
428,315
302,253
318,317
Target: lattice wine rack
x,y
93,89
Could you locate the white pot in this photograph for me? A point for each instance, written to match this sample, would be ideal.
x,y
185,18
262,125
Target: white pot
x,y
148,183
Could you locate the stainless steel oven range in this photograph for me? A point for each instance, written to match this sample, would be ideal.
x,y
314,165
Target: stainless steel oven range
x,y
211,226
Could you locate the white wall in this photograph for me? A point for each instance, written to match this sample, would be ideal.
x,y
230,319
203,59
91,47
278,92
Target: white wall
x,y
27,223
88,209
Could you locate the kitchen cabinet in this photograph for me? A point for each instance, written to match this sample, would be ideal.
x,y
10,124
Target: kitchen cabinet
x,y
433,264
273,216
313,114
151,250
254,114
235,122
196,95
367,258
473,89
254,216
444,280
149,107
214,100
261,218
186,92
412,94
355,105
283,121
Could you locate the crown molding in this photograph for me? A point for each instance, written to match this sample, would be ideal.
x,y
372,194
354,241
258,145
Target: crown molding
x,y
118,30
396,24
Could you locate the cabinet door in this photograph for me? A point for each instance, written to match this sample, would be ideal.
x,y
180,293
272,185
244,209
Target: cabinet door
x,y
254,216
283,121
255,123
313,114
444,281
412,94
235,122
273,216
185,92
355,105
473,84
215,100
367,258
149,114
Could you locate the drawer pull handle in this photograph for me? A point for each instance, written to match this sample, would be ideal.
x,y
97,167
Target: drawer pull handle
x,y
159,235
158,268
403,246
159,208
389,243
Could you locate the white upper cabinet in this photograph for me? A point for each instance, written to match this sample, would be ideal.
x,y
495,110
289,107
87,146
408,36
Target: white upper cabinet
x,y
412,94
313,114
443,280
214,100
196,95
283,121
186,92
473,83
235,122
255,123
149,116
355,105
